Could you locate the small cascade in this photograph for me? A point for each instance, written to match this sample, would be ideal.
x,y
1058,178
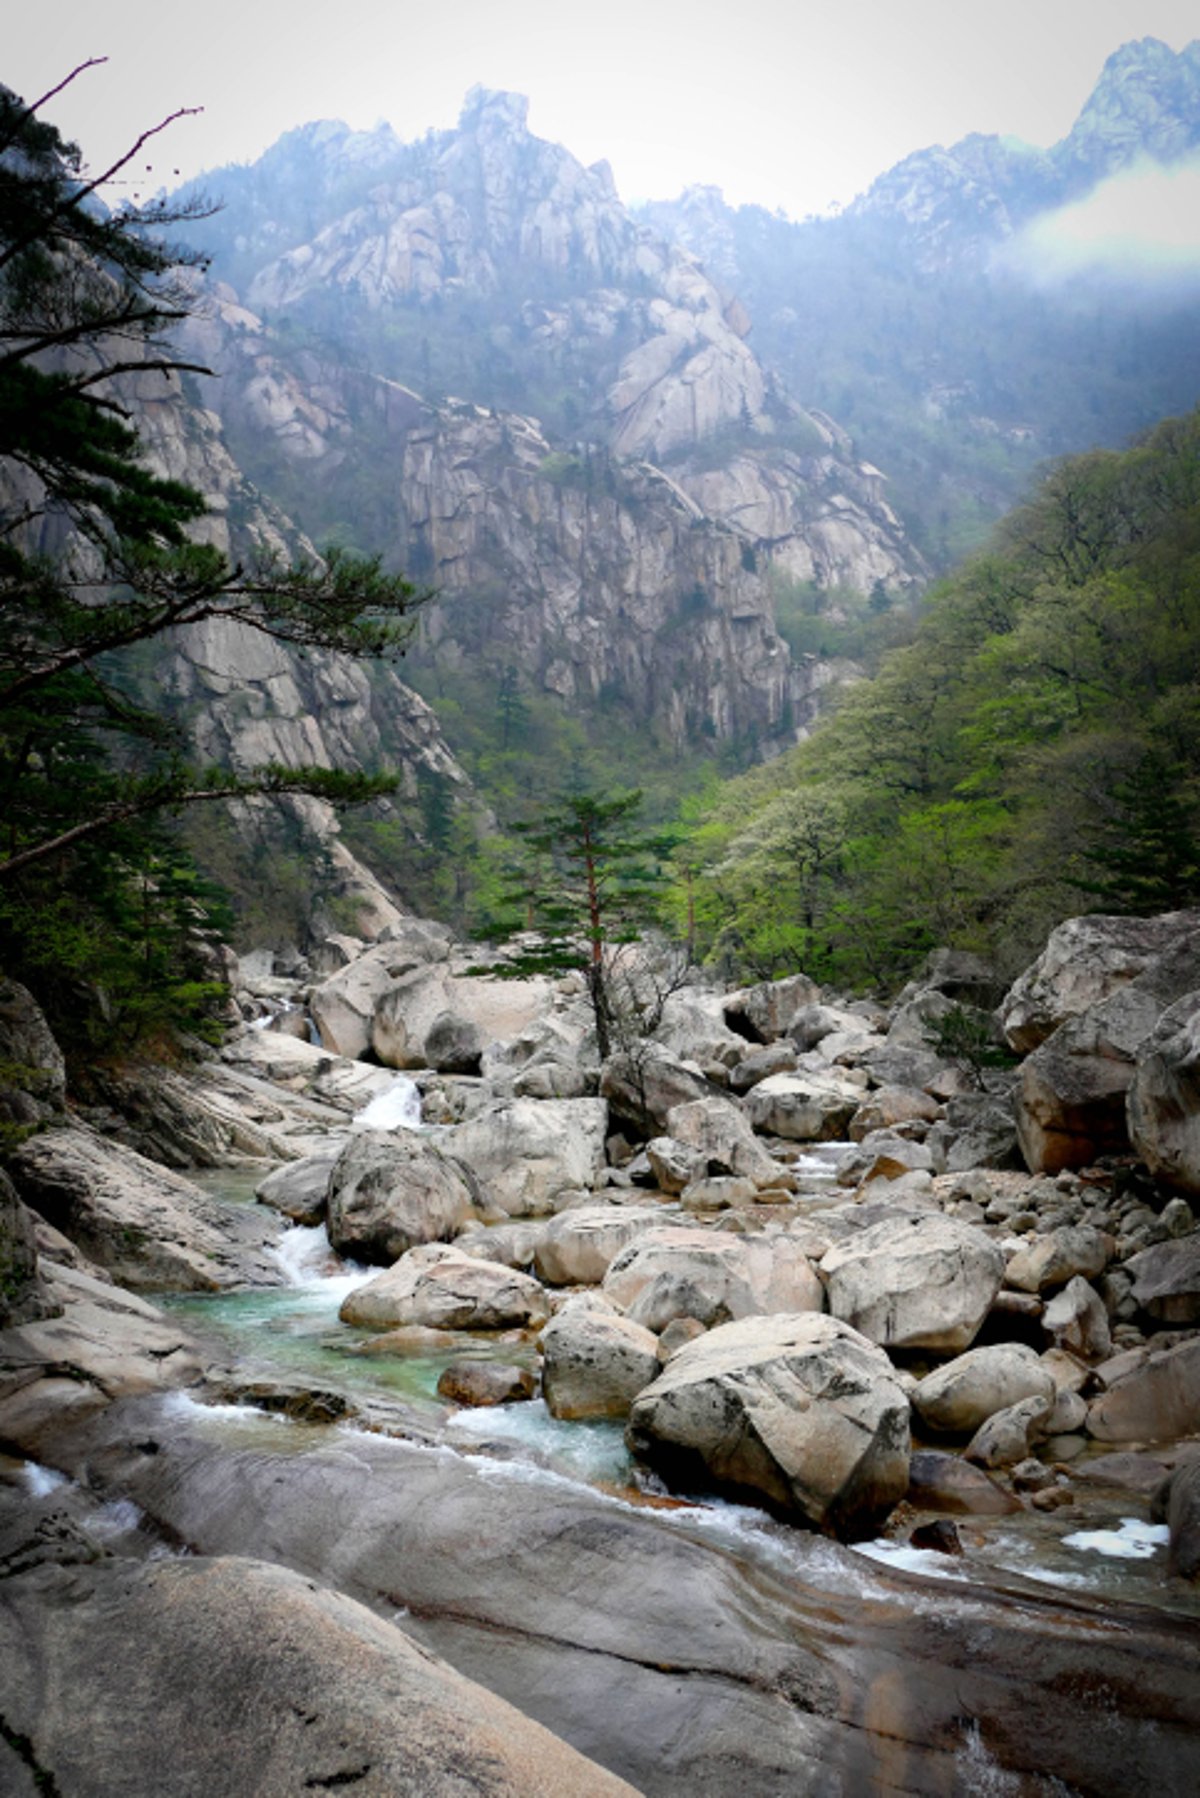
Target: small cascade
x,y
310,1264
397,1108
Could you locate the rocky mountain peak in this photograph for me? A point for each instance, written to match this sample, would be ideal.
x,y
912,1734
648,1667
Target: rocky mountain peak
x,y
494,111
1145,104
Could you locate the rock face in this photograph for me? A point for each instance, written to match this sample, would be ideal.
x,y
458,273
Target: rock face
x,y
669,1273
802,1411
151,1229
23,1297
32,1072
174,1646
444,1289
915,1282
390,1190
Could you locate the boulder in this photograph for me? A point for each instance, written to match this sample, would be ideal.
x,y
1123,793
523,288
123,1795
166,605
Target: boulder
x,y
720,1192
767,1011
1084,961
525,1152
595,1361
479,1383
642,1090
883,1156
1059,1256
942,1482
195,1655
299,1188
1003,1439
151,1229
1180,1506
390,1190
577,1247
454,1044
1155,1398
965,1392
1077,1321
773,1058
1164,1097
800,1412
980,1131
889,1106
721,1136
343,1005
803,1106
511,1245
443,1289
1166,1280
813,1023
918,1281
1071,1091
673,1164
680,1272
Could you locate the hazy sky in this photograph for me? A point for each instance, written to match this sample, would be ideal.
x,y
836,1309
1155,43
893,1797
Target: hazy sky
x,y
789,103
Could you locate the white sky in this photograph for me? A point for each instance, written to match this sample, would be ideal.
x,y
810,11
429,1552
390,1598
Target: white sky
x,y
793,105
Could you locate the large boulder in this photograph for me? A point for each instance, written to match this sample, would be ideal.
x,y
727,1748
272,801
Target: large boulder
x,y
643,1089
802,1412
414,1007
721,1136
1164,1097
767,1011
680,1272
1084,961
963,1393
150,1228
390,1190
454,1044
444,1289
234,1675
1071,1092
1057,1257
916,1281
595,1361
577,1247
1166,1280
299,1189
525,1152
804,1106
1155,1396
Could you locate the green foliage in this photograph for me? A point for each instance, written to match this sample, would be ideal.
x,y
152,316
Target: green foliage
x,y
1036,748
584,885
967,1036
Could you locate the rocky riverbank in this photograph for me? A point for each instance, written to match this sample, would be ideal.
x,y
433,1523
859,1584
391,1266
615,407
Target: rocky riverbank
x,y
805,1260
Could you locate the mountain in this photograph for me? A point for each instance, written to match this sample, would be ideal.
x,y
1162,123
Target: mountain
x,y
926,319
465,354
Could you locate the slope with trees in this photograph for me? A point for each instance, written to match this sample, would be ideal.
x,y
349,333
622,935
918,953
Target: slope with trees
x,y
1034,752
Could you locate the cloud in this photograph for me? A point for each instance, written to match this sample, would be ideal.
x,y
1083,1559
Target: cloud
x,y
1139,230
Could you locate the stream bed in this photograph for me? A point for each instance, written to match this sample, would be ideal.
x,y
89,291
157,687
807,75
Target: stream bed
x,y
292,1334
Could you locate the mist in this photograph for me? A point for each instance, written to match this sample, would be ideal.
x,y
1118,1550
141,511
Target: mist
x,y
1137,232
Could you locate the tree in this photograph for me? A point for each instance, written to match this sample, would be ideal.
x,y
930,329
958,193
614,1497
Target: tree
x,y
97,550
589,892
